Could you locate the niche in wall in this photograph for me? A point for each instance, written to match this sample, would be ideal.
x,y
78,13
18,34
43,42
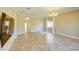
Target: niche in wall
x,y
6,28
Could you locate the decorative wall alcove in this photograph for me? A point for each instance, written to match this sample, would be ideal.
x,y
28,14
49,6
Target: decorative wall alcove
x,y
6,28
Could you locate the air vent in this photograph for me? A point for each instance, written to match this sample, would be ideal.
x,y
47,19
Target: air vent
x,y
27,8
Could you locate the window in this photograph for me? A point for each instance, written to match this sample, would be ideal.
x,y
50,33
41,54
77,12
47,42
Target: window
x,y
49,24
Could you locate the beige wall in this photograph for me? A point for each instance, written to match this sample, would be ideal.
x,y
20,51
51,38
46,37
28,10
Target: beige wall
x,y
34,23
68,23
12,13
20,23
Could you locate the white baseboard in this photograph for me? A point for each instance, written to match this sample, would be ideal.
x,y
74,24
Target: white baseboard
x,y
21,33
67,35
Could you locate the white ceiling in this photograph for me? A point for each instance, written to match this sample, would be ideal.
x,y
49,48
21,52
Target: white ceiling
x,y
43,11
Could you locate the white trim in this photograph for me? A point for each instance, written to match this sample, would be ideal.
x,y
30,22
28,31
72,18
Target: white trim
x,y
21,33
67,35
65,11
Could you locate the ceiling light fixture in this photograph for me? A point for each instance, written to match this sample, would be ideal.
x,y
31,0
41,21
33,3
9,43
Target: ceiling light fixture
x,y
53,14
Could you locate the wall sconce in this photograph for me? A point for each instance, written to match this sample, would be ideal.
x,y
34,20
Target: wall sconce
x,y
54,14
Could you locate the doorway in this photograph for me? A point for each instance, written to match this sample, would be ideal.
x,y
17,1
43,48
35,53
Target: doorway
x,y
50,25
27,24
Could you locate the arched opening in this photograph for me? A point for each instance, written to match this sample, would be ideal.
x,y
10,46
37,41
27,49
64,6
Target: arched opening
x,y
26,24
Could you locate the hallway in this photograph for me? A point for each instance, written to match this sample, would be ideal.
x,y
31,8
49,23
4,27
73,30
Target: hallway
x,y
36,41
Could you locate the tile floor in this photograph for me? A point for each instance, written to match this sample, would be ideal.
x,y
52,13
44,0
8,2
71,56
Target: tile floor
x,y
35,41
